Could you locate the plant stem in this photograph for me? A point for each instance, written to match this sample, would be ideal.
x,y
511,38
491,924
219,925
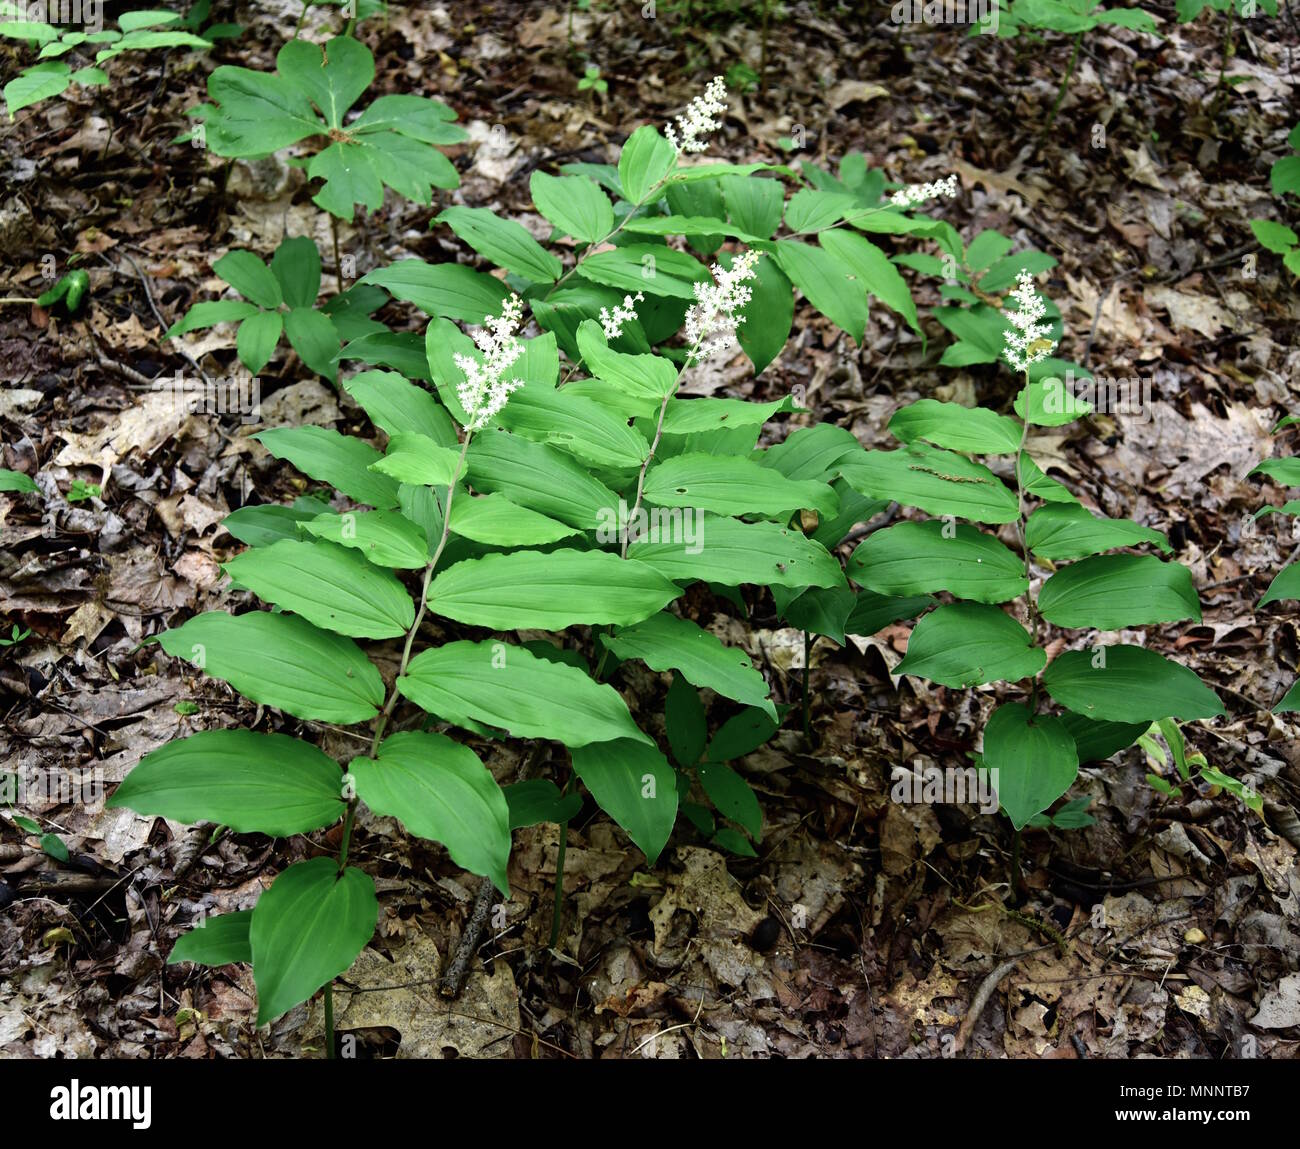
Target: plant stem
x,y
17,299
807,700
1023,530
329,1020
1065,82
1016,879
338,263
1229,50
302,19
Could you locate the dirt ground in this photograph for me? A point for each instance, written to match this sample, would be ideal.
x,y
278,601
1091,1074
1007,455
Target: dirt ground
x,y
865,928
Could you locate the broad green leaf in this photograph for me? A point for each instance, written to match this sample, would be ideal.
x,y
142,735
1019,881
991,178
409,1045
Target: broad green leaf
x,y
633,783
257,113
767,317
253,783
811,452
307,929
809,210
250,277
818,610
39,82
397,406
1128,684
1032,757
645,160
257,526
1274,237
690,416
333,77
1109,592
827,283
741,734
1284,176
666,642
296,267
753,203
975,430
539,478
685,722
1067,531
577,425
985,248
693,226
919,558
1034,482
256,340
732,797
1285,472
417,459
574,204
539,800
549,590
874,271
330,586
938,482
339,460
496,521
873,612
509,687
384,538
221,940
314,337
645,377
444,289
211,313
1050,403
729,552
966,644
440,790
645,267
1096,741
282,660
732,486
350,178
420,118
16,481
504,242
1285,585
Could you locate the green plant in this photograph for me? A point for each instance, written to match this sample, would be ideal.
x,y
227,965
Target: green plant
x,y
1285,471
308,98
138,31
1191,766
1189,10
80,491
16,635
591,80
1284,177
70,289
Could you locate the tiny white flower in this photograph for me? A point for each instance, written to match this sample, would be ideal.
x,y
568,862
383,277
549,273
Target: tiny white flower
x,y
1026,340
918,193
612,322
712,319
485,389
699,119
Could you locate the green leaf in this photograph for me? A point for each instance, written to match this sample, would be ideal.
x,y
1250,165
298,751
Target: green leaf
x,y
257,526
496,521
634,784
695,227
256,113
665,642
39,82
574,204
257,338
211,313
1286,585
733,841
397,406
539,800
729,485
1285,472
919,558
333,78
539,478
16,481
330,586
250,277
384,538
1067,531
818,610
965,644
1032,757
691,416
339,460
730,553
645,160
350,178
1096,741
765,325
221,940
1050,403
550,590
504,242
445,289
811,452
576,425
732,797
873,612
741,734
649,378
282,660
753,203
1284,176
975,430
296,267
1110,592
315,339
253,783
874,271
417,459
985,248
307,929
645,267
55,846
1035,482
810,210
1128,684
684,721
1274,237
511,688
827,283
418,117
440,790
938,482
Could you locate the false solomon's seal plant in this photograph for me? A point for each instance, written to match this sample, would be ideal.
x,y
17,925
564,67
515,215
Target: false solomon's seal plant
x,y
553,479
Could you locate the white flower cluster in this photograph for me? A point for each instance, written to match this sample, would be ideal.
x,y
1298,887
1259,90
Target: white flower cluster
x,y
698,120
918,193
712,319
612,323
1026,339
485,389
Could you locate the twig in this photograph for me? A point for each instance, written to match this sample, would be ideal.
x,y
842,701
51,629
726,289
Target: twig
x,y
981,1000
455,975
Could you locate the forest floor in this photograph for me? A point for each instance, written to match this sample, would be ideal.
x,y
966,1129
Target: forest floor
x,y
866,927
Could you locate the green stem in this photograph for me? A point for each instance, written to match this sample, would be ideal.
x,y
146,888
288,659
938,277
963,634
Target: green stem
x,y
649,197
302,19
1065,82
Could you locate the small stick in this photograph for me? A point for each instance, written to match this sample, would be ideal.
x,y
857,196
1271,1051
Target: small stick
x,y
980,1000
451,981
